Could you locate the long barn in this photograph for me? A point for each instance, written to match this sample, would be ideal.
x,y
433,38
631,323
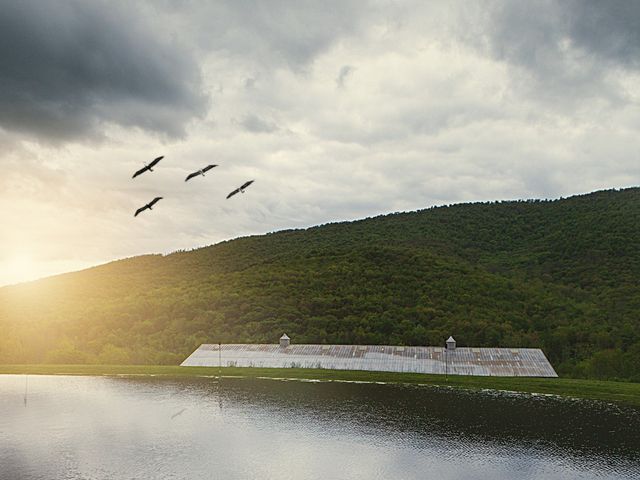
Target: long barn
x,y
501,362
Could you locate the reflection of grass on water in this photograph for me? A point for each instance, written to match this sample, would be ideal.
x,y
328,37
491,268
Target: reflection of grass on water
x,y
622,392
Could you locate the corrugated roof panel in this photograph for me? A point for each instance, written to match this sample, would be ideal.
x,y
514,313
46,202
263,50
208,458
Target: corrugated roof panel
x,y
529,362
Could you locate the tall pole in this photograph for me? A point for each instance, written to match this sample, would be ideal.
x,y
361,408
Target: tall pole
x,y
446,364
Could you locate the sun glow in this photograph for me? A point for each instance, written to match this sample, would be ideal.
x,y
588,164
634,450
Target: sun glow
x,y
18,268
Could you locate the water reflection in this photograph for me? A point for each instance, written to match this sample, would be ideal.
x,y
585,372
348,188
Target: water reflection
x,y
151,427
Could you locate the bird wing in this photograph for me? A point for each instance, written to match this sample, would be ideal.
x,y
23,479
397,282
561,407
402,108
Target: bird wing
x,y
142,170
246,184
155,161
154,201
208,167
233,193
141,209
191,175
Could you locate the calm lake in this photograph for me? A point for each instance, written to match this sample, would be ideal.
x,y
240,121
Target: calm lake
x,y
202,428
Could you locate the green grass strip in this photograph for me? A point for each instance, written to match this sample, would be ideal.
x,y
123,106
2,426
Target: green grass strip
x,y
608,391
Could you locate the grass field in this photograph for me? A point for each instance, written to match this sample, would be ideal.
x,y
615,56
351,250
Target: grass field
x,y
609,391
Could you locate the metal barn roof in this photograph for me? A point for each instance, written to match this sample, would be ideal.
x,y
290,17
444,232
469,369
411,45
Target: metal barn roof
x,y
502,362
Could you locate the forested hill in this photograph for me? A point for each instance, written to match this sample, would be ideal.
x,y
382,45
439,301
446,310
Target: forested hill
x,y
562,275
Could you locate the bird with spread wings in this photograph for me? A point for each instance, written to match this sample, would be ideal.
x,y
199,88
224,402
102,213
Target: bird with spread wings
x,y
241,189
199,172
148,167
148,205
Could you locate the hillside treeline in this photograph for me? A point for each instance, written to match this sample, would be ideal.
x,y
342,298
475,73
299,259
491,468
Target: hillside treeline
x,y
561,275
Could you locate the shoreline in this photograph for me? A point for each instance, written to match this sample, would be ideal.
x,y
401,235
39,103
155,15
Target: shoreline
x,y
624,393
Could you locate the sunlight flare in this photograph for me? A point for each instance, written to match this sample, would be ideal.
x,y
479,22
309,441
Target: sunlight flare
x,y
18,267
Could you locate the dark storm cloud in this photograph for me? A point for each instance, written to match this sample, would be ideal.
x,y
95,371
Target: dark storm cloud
x,y
69,66
569,47
273,33
606,29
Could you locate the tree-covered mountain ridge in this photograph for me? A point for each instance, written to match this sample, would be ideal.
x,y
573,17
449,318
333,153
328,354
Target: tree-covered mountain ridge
x,y
561,275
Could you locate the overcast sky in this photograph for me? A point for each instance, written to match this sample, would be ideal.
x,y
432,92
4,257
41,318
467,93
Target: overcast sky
x,y
338,110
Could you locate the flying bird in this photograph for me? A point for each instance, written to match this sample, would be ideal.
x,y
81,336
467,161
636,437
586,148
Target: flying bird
x,y
199,172
178,413
148,167
241,189
148,205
